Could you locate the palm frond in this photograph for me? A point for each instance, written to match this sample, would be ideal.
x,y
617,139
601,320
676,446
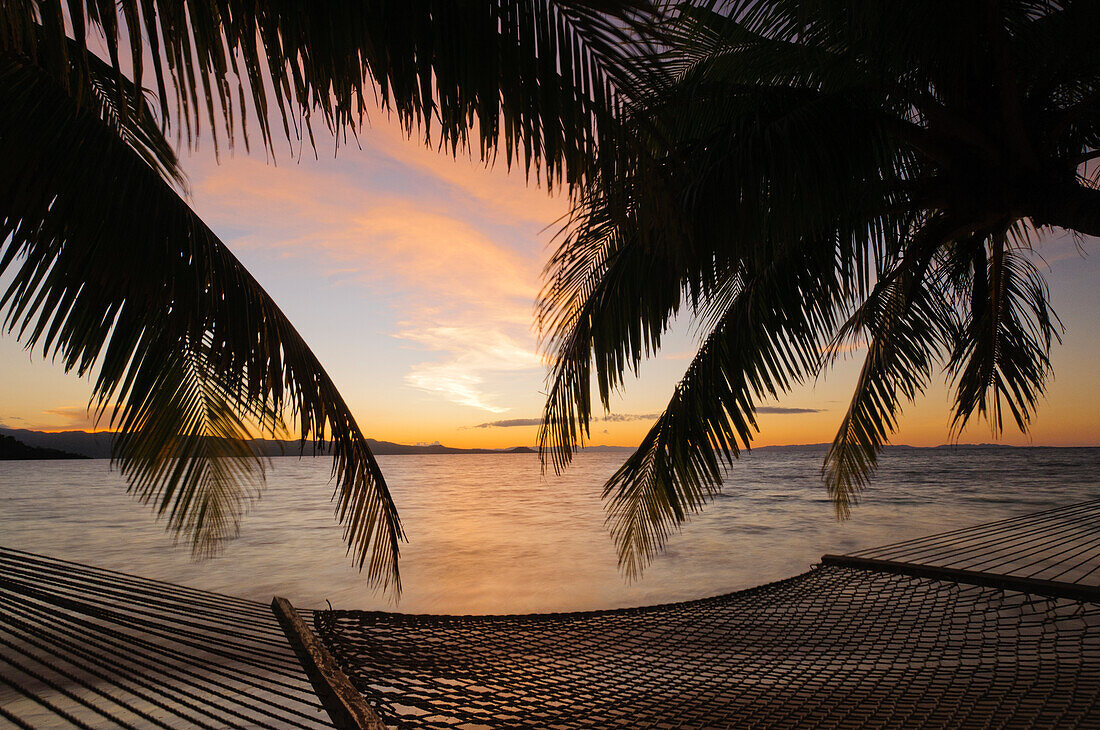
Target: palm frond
x,y
185,445
132,285
608,299
1002,347
671,230
905,320
535,79
876,141
768,339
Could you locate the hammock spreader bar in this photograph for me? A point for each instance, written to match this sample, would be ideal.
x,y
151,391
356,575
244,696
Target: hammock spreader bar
x,y
1033,586
343,703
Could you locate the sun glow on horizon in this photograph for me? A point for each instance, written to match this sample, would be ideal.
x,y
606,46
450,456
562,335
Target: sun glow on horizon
x,y
414,275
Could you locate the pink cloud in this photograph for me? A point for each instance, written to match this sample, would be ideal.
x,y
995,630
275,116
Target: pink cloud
x,y
464,287
469,354
505,195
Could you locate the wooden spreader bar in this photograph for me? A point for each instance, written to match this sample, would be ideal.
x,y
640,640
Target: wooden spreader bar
x,y
1049,588
344,704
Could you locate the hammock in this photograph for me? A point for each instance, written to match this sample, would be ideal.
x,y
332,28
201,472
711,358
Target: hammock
x,y
996,625
86,647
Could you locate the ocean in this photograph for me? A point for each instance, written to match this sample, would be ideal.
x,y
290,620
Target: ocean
x,y
489,533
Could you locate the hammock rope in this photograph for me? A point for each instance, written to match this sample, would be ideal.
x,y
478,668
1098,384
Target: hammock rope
x,y
85,647
994,625
883,637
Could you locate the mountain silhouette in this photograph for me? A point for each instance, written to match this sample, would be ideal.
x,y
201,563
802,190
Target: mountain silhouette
x,y
97,445
13,449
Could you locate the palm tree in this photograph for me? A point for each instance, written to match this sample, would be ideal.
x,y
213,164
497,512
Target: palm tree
x,y
111,272
812,175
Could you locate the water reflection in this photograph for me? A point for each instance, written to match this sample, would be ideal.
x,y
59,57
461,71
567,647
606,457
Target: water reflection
x,y
490,534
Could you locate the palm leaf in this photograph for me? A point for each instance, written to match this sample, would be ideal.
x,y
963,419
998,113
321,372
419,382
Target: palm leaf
x,y
135,286
905,321
883,142
185,445
606,299
673,228
1001,355
767,339
536,79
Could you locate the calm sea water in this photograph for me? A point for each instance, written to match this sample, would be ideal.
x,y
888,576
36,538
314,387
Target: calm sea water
x,y
490,534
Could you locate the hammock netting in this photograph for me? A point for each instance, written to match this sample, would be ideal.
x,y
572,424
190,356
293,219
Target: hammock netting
x,y
836,647
843,645
90,648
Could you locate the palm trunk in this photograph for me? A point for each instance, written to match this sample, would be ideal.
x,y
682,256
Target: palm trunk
x,y
1073,207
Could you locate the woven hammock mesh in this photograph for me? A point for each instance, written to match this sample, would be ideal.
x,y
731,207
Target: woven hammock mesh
x,y
834,647
840,646
88,648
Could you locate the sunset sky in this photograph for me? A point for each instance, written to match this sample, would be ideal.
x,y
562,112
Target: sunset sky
x,y
413,277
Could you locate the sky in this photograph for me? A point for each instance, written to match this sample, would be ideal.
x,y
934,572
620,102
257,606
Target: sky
x,y
413,276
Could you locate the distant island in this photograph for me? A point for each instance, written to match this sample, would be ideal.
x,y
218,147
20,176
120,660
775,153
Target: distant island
x,y
97,445
12,449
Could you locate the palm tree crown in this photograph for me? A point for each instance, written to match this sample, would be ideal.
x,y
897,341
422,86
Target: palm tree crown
x,y
111,272
808,175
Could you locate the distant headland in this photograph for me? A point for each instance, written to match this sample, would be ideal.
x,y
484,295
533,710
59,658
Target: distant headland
x,y
97,445
11,449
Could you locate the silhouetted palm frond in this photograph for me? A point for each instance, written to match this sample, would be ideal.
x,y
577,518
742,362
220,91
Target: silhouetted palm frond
x,y
905,321
111,271
1001,349
768,338
184,444
881,154
536,79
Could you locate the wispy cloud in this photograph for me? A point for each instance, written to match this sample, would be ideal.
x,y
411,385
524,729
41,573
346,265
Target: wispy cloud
x,y
70,413
1057,248
509,423
609,418
624,417
780,411
500,196
844,348
61,418
454,248
468,354
681,354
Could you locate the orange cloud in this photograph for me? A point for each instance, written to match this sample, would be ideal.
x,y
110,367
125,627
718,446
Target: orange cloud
x,y
468,353
460,261
505,196
67,418
439,255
